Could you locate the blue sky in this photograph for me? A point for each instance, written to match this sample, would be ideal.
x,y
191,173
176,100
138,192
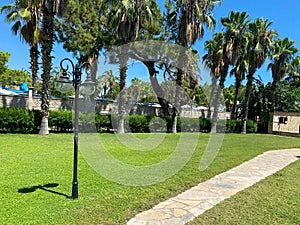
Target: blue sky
x,y
284,14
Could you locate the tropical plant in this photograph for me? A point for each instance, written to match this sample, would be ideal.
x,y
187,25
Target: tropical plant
x,y
260,38
25,16
293,73
236,25
107,84
49,8
192,16
282,53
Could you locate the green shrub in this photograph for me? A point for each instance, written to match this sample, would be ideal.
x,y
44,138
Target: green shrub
x,y
235,126
60,120
138,123
251,126
19,120
103,123
205,124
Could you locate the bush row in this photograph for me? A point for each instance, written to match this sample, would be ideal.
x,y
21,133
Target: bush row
x,y
28,121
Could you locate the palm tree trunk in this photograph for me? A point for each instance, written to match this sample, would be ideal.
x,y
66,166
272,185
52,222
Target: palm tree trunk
x,y
246,104
34,55
217,103
212,95
233,115
47,45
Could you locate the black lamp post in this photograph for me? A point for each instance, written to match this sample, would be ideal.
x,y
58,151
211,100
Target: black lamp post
x,y
64,83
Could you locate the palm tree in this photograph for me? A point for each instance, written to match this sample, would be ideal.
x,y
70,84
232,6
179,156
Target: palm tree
x,y
128,18
294,70
217,61
25,18
260,38
236,25
107,81
49,8
193,16
282,53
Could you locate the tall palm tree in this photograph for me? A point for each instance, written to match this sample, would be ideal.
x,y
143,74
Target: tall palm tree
x,y
25,18
236,25
260,38
282,53
217,61
193,16
128,18
49,9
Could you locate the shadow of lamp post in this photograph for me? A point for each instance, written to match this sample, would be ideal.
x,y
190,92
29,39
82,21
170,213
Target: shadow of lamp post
x,y
64,84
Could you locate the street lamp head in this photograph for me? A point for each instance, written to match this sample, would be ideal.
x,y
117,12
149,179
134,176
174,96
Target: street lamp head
x,y
88,87
63,83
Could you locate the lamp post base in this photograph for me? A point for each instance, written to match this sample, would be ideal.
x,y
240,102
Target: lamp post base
x,y
75,190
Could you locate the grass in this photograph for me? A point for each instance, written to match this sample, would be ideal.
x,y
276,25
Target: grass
x,y
36,175
275,200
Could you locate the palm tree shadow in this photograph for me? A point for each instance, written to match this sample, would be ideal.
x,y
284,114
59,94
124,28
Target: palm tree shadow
x,y
44,187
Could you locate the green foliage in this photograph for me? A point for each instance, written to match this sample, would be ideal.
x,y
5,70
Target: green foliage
x,y
205,124
60,121
15,77
103,123
4,57
19,120
138,123
235,126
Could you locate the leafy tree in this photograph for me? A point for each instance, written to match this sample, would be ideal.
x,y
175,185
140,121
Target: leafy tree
x,y
4,57
14,77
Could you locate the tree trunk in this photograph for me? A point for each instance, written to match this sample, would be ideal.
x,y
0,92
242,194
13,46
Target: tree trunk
x,y
34,55
218,97
47,45
273,94
122,97
247,99
157,88
234,115
212,95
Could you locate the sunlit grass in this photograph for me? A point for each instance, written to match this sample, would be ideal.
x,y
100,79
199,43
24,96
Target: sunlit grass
x,y
36,176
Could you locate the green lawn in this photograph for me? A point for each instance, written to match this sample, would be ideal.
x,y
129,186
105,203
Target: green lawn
x,y
275,200
36,175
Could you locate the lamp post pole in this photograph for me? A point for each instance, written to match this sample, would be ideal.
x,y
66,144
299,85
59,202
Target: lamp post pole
x,y
64,79
76,81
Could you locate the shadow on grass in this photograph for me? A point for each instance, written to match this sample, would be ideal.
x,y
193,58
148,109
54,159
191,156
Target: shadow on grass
x,y
44,188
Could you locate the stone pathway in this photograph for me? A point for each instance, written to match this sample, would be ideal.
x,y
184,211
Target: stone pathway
x,y
195,201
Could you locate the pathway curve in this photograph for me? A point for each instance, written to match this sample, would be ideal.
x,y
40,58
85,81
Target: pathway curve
x,y
195,201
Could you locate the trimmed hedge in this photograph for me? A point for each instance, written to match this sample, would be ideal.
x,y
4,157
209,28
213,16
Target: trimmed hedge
x,y
28,121
19,120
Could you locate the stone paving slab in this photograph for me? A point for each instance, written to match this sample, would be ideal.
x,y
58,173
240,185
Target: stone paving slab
x,y
195,201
